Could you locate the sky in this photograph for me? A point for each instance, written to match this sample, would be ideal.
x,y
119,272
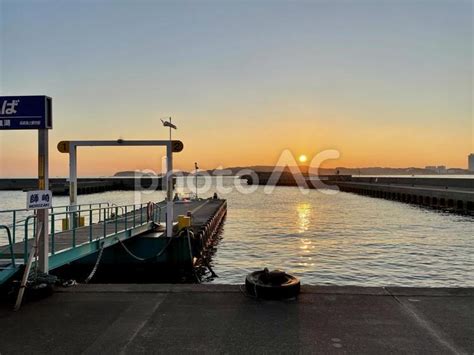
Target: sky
x,y
386,83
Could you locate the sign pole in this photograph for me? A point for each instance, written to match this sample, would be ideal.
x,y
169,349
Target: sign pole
x,y
43,214
34,112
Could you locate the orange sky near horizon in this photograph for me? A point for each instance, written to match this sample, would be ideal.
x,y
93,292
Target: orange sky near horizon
x,y
242,144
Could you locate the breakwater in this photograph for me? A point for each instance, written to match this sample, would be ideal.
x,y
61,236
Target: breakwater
x,y
286,178
454,199
450,194
60,186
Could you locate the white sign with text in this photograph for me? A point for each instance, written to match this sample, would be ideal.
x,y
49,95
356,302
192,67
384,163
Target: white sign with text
x,y
39,199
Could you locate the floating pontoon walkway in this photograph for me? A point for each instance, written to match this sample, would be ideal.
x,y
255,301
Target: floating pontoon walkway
x,y
105,227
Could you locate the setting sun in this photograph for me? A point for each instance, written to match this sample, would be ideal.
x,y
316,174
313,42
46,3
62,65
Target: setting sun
x,y
302,158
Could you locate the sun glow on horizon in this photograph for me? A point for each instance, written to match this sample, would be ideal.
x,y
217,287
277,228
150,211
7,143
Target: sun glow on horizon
x,y
303,158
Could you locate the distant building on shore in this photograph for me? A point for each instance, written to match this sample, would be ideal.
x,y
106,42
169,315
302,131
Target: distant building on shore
x,y
457,171
440,169
470,162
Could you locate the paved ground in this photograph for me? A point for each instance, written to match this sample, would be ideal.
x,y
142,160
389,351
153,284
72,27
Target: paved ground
x,y
178,319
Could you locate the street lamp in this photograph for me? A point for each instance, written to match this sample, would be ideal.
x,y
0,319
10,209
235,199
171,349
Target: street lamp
x,y
168,124
196,167
169,179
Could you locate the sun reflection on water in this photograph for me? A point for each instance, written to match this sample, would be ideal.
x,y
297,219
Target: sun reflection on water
x,y
304,214
304,223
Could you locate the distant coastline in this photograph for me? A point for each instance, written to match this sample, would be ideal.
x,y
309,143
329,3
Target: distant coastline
x,y
234,171
367,171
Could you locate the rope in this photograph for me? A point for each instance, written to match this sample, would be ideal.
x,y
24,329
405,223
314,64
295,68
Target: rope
x,y
143,259
163,250
129,252
206,262
41,277
99,257
188,232
96,266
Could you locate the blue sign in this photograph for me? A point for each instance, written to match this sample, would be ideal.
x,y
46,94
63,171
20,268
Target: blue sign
x,y
26,112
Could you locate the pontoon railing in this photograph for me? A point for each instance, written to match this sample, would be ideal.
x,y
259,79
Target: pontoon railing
x,y
10,243
131,216
16,217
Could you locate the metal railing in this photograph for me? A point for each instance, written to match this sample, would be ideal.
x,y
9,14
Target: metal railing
x,y
121,218
10,243
16,217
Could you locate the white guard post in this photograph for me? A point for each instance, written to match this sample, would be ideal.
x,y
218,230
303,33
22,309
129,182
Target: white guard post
x,y
171,146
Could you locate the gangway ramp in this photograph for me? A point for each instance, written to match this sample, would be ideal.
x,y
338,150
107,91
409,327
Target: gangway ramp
x,y
104,226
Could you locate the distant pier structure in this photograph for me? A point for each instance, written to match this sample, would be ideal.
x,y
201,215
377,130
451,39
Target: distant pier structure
x,y
453,194
60,186
450,194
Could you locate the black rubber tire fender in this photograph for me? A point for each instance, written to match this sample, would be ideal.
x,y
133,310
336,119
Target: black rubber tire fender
x,y
289,289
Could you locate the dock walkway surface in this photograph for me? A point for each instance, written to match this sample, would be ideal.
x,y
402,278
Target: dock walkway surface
x,y
207,318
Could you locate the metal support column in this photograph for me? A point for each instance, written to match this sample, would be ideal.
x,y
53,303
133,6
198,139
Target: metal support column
x,y
169,190
72,217
72,175
43,214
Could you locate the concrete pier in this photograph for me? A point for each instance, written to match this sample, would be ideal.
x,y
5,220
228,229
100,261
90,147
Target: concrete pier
x,y
450,194
455,199
212,319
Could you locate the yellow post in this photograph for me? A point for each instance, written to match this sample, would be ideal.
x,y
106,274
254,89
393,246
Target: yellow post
x,y
80,222
183,222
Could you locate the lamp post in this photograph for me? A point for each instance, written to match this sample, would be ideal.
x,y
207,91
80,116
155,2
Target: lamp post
x,y
169,181
168,124
196,167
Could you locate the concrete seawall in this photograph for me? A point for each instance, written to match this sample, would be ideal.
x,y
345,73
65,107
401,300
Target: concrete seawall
x,y
60,186
442,182
454,199
450,194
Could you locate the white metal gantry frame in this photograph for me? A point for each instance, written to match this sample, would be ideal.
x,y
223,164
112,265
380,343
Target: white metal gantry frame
x,y
171,146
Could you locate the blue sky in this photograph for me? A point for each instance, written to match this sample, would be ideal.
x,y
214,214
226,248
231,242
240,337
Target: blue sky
x,y
384,82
